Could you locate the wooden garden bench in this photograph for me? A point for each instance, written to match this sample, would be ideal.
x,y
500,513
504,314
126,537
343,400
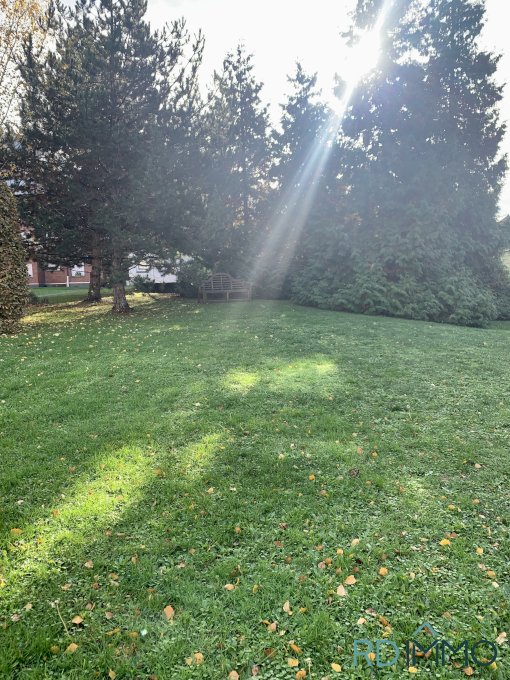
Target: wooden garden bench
x,y
223,288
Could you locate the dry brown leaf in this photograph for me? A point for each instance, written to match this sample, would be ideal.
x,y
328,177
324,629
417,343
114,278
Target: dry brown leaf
x,y
112,674
341,591
287,608
383,571
350,580
295,648
169,612
199,658
501,639
16,532
71,648
109,615
468,671
336,667
77,620
292,662
89,564
233,675
301,674
229,586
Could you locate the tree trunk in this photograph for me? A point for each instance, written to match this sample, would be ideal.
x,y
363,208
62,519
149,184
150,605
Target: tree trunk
x,y
94,294
120,303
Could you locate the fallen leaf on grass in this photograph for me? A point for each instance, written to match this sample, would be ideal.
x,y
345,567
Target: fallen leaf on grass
x,y
233,675
229,586
112,674
16,532
501,639
292,662
300,675
383,571
199,658
169,612
77,620
350,580
287,608
336,667
71,648
295,648
89,564
341,591
444,542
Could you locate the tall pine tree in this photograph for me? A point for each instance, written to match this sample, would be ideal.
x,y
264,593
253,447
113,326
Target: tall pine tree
x,y
96,111
427,243
237,160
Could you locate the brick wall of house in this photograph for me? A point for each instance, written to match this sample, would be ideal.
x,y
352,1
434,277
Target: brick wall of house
x,y
35,274
58,277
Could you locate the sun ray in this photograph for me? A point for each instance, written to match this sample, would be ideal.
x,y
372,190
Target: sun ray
x,y
277,244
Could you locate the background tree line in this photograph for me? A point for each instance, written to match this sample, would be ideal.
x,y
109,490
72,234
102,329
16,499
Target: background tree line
x,y
116,154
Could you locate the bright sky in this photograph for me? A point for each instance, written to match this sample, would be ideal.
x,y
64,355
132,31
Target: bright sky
x,y
279,32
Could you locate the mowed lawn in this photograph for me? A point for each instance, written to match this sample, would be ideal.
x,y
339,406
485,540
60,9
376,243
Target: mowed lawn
x,y
55,294
283,452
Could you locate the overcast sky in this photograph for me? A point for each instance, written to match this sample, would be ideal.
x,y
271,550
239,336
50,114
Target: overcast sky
x,y
279,32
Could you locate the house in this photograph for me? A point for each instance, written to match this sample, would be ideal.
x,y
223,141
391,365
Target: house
x,y
57,276
147,270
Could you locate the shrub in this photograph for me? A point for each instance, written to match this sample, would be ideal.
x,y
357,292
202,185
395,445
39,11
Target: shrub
x,y
189,277
142,284
13,269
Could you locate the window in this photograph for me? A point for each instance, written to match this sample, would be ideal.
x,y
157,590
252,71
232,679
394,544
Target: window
x,y
78,270
30,269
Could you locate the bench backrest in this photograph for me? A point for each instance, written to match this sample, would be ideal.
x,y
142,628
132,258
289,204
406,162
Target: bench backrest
x,y
220,282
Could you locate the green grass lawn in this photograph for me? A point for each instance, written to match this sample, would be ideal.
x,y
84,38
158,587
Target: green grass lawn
x,y
57,294
154,459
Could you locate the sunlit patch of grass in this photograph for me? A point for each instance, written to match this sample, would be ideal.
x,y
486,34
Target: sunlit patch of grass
x,y
153,459
91,502
241,381
194,458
